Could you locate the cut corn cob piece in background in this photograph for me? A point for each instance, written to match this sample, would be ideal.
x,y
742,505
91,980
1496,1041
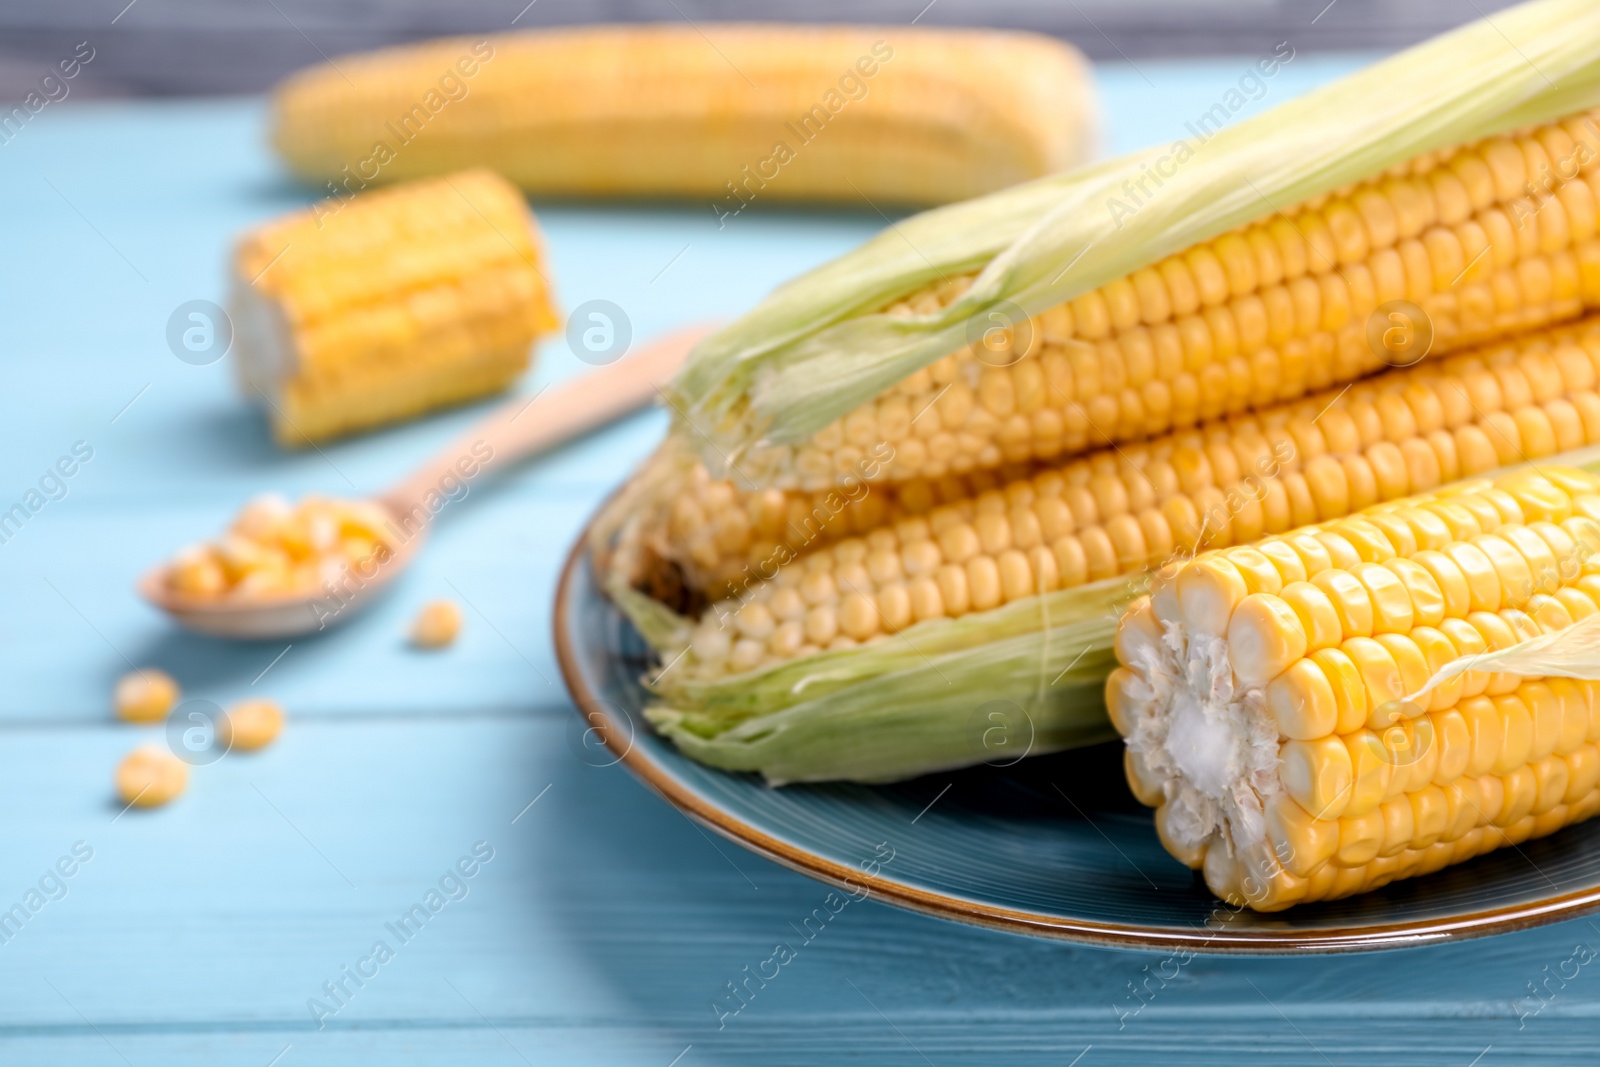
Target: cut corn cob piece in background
x,y
1265,692
1485,241
1185,281
729,114
363,311
1116,512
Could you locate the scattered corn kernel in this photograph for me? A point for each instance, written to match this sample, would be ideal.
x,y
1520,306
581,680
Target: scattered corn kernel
x,y
251,724
145,696
150,776
274,548
436,625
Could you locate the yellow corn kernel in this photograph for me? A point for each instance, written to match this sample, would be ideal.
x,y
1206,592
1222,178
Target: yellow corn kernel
x,y
196,572
145,695
1319,775
150,776
439,621
250,724
1208,592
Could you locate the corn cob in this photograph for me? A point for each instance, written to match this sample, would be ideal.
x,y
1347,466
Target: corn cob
x,y
1486,241
1267,693
355,313
1185,282
920,550
733,114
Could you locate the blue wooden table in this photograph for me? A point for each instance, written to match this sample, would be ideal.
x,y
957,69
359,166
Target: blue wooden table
x,y
598,925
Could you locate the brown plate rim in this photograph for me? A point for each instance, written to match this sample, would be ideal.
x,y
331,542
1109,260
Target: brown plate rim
x,y
1265,942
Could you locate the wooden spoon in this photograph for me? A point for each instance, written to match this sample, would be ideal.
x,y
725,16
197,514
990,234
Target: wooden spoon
x,y
519,429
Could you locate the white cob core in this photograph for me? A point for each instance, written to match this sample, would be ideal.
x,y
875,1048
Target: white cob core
x,y
264,355
1215,744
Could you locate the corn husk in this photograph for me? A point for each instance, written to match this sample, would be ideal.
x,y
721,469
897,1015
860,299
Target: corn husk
x,y
987,687
822,345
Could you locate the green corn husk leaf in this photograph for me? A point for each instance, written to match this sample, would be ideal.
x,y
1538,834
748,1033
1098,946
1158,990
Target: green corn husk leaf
x,y
1023,679
915,722
1077,617
819,346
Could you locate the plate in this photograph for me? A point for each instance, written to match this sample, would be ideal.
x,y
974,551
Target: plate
x,y
1053,846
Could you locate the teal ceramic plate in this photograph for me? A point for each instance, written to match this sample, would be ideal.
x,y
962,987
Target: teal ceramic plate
x,y
1053,846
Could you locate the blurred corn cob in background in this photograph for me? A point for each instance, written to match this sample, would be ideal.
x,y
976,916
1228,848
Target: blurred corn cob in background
x,y
1270,694
878,522
362,311
728,113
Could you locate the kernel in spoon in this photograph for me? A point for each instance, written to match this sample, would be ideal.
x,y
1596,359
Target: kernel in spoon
x,y
277,549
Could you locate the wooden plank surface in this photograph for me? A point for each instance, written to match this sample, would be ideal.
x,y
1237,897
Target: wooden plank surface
x,y
606,924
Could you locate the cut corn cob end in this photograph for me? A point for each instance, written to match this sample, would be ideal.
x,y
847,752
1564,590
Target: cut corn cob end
x,y
365,310
1265,692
